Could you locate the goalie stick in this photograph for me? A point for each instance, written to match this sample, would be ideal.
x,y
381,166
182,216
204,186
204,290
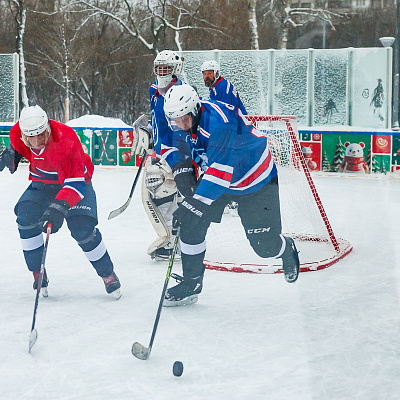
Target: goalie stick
x,y
138,350
141,121
33,336
121,209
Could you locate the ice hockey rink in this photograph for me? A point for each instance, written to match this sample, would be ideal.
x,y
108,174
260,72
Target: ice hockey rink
x,y
334,334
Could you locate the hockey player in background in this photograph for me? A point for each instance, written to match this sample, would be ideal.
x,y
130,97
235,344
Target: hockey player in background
x,y
237,166
159,191
220,88
61,189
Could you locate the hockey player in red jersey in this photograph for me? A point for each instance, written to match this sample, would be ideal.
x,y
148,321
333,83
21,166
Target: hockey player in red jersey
x,y
61,189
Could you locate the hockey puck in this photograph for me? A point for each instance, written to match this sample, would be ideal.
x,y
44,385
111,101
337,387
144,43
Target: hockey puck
x,y
177,368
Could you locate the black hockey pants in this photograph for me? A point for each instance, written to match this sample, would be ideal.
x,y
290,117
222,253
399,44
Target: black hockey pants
x,y
261,219
81,220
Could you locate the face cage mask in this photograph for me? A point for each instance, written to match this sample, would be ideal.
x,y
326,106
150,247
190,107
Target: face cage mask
x,y
46,137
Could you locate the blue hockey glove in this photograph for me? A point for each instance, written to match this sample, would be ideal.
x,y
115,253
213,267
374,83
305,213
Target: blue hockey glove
x,y
189,213
185,177
10,158
55,214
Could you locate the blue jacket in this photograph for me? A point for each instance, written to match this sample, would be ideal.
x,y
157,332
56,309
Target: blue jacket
x,y
166,143
233,154
224,91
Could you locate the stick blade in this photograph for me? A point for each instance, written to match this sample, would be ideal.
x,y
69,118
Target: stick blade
x,y
141,352
119,211
32,339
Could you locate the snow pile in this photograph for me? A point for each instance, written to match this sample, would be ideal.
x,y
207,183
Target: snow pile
x,y
97,121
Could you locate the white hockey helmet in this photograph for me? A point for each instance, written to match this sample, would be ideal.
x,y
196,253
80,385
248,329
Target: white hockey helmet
x,y
167,65
211,65
181,100
33,121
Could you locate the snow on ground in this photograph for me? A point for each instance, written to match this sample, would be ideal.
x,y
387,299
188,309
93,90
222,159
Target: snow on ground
x,y
97,121
334,334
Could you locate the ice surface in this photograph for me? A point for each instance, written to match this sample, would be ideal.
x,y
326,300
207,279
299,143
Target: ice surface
x,y
334,334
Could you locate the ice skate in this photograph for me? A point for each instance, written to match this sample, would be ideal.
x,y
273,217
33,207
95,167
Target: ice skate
x,y
290,261
45,283
185,292
112,285
163,254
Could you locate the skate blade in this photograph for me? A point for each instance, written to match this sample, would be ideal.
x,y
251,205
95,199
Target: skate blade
x,y
166,258
117,294
184,302
45,292
32,339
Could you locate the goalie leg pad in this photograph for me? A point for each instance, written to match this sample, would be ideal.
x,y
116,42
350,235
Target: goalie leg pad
x,y
160,212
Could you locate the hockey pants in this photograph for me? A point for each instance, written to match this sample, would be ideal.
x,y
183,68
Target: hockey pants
x,y
81,221
261,219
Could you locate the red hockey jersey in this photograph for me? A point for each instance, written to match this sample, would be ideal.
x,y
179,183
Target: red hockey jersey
x,y
62,161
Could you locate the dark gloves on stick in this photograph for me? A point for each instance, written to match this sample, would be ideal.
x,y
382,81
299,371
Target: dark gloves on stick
x,y
55,215
10,158
189,213
185,177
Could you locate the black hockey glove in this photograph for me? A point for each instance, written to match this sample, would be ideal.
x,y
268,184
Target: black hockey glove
x,y
55,214
185,177
10,158
189,213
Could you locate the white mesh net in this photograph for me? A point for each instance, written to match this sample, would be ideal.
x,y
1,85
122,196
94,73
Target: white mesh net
x,y
303,216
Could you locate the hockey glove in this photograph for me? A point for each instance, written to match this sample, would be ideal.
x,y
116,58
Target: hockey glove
x,y
143,141
10,158
55,214
185,177
189,213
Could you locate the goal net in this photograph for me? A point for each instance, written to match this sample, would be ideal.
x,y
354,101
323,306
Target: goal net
x,y
303,215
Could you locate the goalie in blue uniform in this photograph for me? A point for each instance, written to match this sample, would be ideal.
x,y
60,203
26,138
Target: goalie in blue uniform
x,y
159,193
238,166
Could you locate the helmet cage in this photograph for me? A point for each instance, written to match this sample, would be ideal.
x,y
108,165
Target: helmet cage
x,y
167,65
46,136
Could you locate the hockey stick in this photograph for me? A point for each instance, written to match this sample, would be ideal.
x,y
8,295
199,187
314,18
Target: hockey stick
x,y
120,210
34,334
138,350
104,150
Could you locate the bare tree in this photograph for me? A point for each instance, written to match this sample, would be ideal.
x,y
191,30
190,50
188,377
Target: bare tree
x,y
286,16
18,9
253,25
150,22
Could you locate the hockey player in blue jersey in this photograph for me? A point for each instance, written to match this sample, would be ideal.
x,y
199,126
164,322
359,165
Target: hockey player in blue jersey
x,y
220,88
238,166
159,192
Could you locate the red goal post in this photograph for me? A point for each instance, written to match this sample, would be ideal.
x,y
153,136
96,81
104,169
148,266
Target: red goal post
x,y
303,215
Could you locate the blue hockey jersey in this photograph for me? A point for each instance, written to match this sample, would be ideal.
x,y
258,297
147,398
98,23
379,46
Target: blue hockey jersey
x,y
233,154
224,91
166,142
